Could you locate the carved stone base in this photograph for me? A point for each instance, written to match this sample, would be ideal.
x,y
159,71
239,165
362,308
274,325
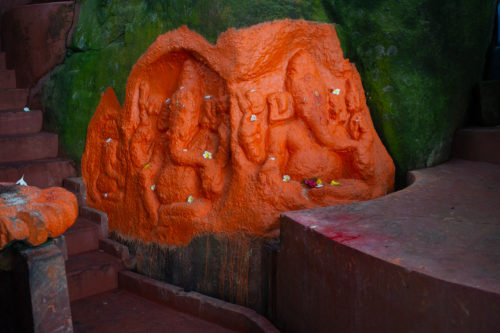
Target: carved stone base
x,y
237,269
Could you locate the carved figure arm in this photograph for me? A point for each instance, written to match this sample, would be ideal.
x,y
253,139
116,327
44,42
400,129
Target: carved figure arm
x,y
184,127
140,147
325,131
252,132
362,155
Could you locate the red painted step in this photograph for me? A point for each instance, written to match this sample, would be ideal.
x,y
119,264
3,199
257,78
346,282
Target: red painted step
x,y
123,311
3,64
28,147
233,316
13,99
41,173
7,78
78,188
82,236
478,144
91,273
20,122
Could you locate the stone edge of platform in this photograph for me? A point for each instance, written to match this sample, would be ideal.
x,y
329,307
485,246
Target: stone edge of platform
x,y
208,308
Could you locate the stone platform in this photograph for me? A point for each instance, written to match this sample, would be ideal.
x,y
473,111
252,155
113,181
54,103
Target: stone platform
x,y
119,310
426,258
142,304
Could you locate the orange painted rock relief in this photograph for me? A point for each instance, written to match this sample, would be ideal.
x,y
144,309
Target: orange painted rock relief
x,y
223,138
30,214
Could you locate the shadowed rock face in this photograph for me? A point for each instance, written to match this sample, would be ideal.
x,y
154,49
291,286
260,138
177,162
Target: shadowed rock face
x,y
34,37
219,139
30,214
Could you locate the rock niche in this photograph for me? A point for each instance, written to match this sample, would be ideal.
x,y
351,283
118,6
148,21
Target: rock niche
x,y
216,141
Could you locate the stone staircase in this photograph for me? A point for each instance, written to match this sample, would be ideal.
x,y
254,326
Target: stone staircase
x,y
90,269
24,148
106,297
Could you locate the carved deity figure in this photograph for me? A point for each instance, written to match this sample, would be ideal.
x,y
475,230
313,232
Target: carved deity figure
x,y
223,138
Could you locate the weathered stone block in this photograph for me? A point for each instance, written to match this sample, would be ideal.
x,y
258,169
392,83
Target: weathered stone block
x,y
222,138
41,299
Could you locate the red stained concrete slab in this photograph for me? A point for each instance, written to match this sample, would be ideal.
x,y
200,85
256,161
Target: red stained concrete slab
x,y
41,173
122,311
43,29
20,122
426,258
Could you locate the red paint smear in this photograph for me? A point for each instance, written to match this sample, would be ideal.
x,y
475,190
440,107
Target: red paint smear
x,y
340,237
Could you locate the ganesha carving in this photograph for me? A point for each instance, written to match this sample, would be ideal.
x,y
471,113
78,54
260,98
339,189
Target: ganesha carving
x,y
220,138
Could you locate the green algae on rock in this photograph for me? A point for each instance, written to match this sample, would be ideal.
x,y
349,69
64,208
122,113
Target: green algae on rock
x,y
112,35
418,60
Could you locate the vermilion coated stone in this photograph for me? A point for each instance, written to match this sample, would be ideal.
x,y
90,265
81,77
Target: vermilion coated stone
x,y
220,138
30,214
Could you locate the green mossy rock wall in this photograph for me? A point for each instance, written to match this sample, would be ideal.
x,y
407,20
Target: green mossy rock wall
x,y
112,34
418,59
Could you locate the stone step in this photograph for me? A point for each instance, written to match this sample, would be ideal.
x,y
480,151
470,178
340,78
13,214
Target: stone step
x,y
3,63
98,217
7,78
123,311
78,188
41,173
435,242
20,122
91,273
16,148
478,144
82,236
231,316
13,99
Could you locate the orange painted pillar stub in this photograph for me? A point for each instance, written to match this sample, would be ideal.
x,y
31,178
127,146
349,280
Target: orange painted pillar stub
x,y
32,215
